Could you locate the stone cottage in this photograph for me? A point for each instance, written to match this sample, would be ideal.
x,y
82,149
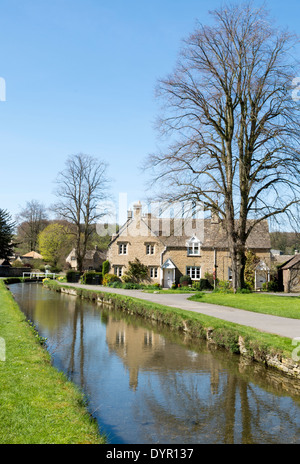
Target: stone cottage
x,y
175,247
93,260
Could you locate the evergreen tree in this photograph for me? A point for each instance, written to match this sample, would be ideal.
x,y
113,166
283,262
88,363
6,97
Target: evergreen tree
x,y
6,234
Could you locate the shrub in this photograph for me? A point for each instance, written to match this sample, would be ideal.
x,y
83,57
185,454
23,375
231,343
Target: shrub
x,y
17,263
137,271
109,278
243,290
105,267
203,284
92,278
72,276
115,284
210,278
185,280
223,287
271,286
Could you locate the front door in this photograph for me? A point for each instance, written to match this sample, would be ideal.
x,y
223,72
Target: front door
x,y
168,278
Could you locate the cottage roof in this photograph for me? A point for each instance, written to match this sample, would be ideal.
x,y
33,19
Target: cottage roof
x,y
294,262
173,233
32,254
90,254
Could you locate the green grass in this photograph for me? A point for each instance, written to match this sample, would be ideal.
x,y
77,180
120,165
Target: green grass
x,y
285,306
175,290
38,405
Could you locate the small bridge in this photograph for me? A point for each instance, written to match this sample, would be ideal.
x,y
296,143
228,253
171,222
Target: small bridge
x,y
39,275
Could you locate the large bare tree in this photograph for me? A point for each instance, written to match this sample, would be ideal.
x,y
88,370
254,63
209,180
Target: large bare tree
x,y
81,188
233,123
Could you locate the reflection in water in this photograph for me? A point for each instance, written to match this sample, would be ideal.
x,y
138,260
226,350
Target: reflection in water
x,y
146,384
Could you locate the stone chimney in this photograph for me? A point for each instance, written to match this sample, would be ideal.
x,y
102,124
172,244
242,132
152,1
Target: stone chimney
x,y
129,214
214,216
137,210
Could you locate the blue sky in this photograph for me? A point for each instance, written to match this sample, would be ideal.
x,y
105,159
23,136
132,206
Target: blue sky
x,y
80,77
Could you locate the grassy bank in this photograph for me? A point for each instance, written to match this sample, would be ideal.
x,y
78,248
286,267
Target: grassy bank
x,y
284,306
38,405
259,346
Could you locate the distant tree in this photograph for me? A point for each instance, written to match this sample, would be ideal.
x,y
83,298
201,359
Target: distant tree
x,y
54,243
81,188
6,234
32,220
287,242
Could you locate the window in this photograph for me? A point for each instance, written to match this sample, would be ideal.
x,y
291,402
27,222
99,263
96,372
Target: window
x,y
118,271
120,338
149,249
153,272
229,273
193,247
148,339
122,248
194,272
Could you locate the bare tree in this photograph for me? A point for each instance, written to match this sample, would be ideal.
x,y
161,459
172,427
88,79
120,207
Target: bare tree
x,y
229,105
32,220
81,188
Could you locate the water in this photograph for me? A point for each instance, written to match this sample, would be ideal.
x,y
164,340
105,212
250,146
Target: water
x,y
146,384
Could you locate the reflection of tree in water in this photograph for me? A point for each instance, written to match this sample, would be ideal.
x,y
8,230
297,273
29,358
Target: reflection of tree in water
x,y
181,408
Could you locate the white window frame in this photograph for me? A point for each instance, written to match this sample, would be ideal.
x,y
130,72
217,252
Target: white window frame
x,y
193,246
118,270
123,247
154,272
194,272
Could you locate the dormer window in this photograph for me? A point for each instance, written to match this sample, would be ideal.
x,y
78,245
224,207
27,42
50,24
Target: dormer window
x,y
193,246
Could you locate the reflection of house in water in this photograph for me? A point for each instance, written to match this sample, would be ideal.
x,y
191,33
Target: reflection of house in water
x,y
143,349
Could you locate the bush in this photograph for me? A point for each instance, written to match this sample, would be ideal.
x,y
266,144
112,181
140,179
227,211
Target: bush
x,y
92,278
105,267
109,278
271,286
243,290
185,280
137,272
72,276
203,284
223,287
115,284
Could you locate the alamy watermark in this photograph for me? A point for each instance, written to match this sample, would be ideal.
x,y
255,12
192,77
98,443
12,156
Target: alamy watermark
x,y
182,218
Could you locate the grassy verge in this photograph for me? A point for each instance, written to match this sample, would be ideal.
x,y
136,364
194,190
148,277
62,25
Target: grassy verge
x,y
259,345
285,306
38,405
